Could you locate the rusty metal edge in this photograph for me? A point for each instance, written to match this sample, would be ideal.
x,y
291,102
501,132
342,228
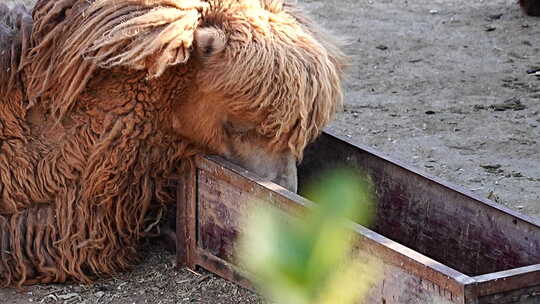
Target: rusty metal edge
x,y
503,281
459,189
393,252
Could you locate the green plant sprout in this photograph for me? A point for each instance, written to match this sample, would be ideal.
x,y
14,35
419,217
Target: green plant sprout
x,y
309,260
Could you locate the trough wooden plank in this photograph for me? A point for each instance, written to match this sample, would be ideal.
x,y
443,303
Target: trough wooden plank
x,y
186,219
530,295
505,282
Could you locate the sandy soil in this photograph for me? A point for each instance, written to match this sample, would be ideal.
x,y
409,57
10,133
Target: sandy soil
x,y
439,84
443,86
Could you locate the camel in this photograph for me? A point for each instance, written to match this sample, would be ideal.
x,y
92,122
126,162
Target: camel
x,y
104,102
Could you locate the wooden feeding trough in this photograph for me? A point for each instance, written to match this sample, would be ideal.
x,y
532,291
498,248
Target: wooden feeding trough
x,y
437,243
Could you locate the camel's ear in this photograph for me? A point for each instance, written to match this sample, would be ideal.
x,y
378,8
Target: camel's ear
x,y
152,38
209,41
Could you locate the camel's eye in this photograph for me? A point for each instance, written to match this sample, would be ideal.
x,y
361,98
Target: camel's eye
x,y
237,128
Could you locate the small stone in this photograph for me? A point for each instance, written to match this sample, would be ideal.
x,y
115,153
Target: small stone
x,y
513,103
69,296
99,294
479,107
495,16
433,11
492,168
381,47
496,166
516,55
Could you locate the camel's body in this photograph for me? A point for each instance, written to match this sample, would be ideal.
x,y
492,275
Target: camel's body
x,y
102,154
44,166
90,147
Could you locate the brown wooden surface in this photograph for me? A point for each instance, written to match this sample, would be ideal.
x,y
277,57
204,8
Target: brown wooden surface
x,y
400,286
186,220
529,295
437,243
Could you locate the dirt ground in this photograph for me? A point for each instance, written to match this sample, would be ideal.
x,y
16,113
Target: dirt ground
x,y
442,85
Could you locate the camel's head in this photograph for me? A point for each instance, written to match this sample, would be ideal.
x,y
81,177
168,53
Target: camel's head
x,y
263,81
266,84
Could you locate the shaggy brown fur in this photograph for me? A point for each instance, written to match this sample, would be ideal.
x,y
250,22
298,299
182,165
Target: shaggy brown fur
x,y
530,7
102,100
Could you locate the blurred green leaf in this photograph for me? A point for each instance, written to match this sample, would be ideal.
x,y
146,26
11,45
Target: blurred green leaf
x,y
301,261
